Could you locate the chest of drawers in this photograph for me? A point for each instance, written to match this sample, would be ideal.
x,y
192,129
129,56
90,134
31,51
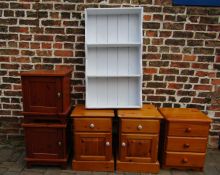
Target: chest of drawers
x,y
92,139
185,138
138,139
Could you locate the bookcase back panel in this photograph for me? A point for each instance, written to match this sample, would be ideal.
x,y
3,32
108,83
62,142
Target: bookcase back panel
x,y
113,61
113,92
109,29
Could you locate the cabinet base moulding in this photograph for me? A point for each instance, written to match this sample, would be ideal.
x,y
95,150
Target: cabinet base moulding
x,y
138,167
93,165
34,161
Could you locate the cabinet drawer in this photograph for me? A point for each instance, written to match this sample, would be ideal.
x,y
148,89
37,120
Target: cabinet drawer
x,y
185,144
140,126
188,129
185,159
92,124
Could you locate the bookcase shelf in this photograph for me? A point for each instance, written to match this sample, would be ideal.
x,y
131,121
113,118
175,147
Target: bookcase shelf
x,y
113,57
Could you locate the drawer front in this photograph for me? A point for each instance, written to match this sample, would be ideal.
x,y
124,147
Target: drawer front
x,y
92,124
140,126
184,159
184,144
188,129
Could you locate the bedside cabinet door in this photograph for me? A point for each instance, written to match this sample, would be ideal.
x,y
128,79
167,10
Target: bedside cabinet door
x,y
42,94
93,146
138,148
44,143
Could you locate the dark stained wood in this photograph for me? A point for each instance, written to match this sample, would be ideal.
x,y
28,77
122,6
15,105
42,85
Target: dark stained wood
x,y
138,139
185,138
45,142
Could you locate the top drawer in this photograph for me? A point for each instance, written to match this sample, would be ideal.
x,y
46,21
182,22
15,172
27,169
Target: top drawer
x,y
188,129
140,126
92,124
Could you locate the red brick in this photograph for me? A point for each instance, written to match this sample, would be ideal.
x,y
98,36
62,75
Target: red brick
x,y
150,70
147,17
44,53
20,59
203,87
216,81
175,86
57,45
189,58
205,73
63,53
46,46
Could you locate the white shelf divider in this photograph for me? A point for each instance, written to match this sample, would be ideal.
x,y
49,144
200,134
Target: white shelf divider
x,y
113,57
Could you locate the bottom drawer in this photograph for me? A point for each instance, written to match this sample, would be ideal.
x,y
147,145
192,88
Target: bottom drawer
x,y
184,159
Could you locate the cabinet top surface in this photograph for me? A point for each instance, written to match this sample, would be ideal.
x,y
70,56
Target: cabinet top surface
x,y
184,114
81,111
147,111
58,72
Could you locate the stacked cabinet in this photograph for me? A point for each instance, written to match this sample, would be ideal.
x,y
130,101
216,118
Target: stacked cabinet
x,y
138,139
113,57
46,105
185,138
92,138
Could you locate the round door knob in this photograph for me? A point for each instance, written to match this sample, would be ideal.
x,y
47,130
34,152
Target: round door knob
x,y
107,143
60,143
139,127
186,145
123,144
92,125
188,130
58,94
185,160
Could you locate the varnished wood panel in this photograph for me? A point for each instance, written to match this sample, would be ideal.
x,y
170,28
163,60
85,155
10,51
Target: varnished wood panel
x,y
140,126
187,144
138,148
185,159
93,124
189,129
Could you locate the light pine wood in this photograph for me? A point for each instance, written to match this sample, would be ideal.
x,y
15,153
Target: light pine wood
x,y
92,139
184,138
185,159
138,167
93,165
138,139
140,126
93,124
81,112
148,111
187,144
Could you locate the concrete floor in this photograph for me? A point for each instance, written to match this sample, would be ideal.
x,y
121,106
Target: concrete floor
x,y
12,163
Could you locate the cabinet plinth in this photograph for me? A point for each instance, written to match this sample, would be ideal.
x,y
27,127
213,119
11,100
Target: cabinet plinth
x,y
138,139
184,138
92,138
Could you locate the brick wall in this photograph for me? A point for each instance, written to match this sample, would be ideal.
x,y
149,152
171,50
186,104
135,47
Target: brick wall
x,y
181,53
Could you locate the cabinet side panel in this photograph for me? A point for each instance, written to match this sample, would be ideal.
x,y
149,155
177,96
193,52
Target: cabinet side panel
x,y
133,92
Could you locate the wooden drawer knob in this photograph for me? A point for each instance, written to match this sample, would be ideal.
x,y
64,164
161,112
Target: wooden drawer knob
x,y
139,127
107,143
92,125
188,130
185,160
59,143
186,145
123,144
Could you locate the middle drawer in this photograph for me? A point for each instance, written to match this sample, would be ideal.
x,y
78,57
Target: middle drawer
x,y
140,126
92,124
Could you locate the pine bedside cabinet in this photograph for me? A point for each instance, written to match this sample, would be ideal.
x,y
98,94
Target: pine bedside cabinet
x,y
138,139
185,138
92,139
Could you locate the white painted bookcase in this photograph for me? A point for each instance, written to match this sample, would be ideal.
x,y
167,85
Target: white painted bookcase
x,y
113,46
